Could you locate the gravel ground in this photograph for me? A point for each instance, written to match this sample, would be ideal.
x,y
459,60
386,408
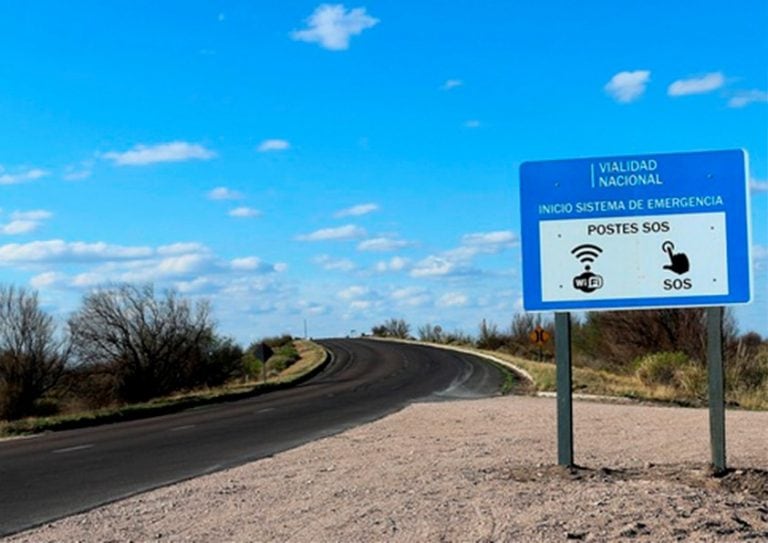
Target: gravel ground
x,y
480,470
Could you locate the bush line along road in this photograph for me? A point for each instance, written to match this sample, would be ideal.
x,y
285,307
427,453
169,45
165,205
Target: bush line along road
x,y
55,475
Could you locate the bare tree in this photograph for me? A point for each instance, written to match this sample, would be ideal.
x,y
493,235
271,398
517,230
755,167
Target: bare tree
x,y
519,337
489,336
397,328
153,345
433,334
619,337
32,358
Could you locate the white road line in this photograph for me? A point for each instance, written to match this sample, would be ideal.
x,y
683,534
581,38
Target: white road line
x,y
73,449
265,410
180,428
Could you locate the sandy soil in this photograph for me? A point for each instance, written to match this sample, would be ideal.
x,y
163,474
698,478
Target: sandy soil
x,y
479,470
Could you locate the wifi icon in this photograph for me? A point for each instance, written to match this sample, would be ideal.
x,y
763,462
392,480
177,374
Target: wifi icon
x,y
586,253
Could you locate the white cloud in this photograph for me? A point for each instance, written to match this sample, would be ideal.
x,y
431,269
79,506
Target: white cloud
x,y
192,270
46,279
356,211
182,264
21,177
181,248
24,222
34,215
273,145
382,244
626,87
498,238
411,296
331,26
175,151
483,243
452,299
696,85
198,284
61,251
396,263
406,292
758,186
341,233
745,97
244,212
252,263
223,193
452,84
77,175
332,264
434,266
313,308
179,267
353,292
19,227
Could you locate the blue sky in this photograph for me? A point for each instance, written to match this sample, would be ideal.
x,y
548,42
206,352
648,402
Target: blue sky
x,y
344,163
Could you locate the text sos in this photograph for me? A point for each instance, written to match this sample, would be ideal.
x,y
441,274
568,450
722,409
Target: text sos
x,y
677,284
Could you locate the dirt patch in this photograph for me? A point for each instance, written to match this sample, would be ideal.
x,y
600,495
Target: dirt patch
x,y
480,470
750,482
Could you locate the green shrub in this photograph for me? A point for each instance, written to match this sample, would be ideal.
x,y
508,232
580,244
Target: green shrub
x,y
283,358
692,381
289,352
749,372
275,342
661,369
277,364
251,365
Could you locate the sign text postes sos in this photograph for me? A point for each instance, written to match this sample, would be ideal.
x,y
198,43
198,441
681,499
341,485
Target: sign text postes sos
x,y
636,231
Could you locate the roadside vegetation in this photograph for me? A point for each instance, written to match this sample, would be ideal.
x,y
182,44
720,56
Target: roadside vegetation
x,y
128,352
657,355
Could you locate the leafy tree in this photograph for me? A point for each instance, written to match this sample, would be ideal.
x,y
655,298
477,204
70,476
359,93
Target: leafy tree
x,y
32,358
220,363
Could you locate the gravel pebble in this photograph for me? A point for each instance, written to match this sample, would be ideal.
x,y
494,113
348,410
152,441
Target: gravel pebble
x,y
480,470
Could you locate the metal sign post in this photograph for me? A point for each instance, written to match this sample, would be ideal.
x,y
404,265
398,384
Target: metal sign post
x,y
635,232
564,389
263,352
716,388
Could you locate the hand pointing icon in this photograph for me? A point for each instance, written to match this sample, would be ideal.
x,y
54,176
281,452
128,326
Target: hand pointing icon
x,y
678,261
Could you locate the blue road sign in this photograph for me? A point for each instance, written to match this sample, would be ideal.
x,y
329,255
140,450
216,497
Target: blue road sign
x,y
634,232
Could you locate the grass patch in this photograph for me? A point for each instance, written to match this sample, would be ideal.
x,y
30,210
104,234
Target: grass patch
x,y
605,383
512,383
591,381
310,356
311,359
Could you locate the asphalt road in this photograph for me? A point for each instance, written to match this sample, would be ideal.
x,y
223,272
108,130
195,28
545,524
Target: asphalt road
x,y
55,475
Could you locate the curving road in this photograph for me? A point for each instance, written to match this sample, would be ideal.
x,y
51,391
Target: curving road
x,y
54,475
